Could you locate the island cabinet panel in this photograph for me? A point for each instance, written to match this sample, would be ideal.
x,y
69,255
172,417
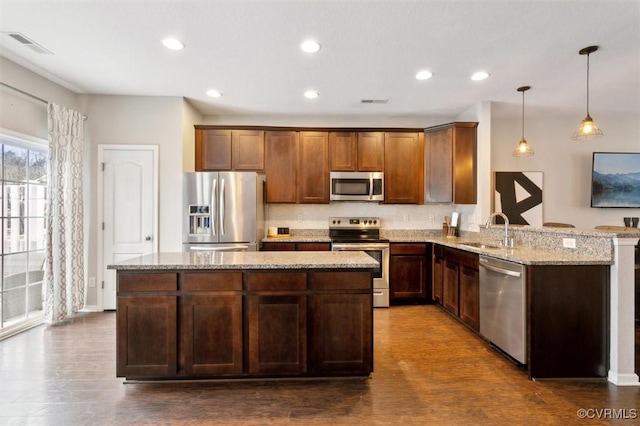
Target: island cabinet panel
x,y
450,163
277,334
211,334
313,167
342,151
146,327
281,166
341,329
403,168
409,272
568,320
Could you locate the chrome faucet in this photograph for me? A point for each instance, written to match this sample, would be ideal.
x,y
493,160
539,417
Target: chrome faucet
x,y
507,241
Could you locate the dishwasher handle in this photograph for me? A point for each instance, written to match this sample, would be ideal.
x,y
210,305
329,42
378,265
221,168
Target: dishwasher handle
x,y
500,270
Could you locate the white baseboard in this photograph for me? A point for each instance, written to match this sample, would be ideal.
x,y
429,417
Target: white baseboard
x,y
91,308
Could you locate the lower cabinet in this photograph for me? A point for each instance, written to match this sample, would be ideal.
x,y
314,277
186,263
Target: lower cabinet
x,y
456,283
290,246
409,272
209,324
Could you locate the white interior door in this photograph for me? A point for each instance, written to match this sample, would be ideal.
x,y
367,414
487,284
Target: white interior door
x,y
129,209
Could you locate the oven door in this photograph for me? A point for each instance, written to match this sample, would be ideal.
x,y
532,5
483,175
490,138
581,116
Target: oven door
x,y
380,252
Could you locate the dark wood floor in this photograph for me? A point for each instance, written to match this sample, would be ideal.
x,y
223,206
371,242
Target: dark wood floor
x,y
429,369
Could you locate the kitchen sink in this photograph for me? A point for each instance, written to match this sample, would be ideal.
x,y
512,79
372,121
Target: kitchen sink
x,y
480,245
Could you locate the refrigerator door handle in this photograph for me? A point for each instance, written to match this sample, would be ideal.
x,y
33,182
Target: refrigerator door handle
x,y
222,207
212,209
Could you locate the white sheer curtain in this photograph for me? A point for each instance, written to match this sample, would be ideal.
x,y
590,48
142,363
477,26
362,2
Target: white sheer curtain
x,y
64,264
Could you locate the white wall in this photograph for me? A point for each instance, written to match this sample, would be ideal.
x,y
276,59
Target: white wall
x,y
565,163
139,120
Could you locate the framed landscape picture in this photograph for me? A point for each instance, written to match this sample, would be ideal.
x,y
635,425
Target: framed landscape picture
x,y
615,179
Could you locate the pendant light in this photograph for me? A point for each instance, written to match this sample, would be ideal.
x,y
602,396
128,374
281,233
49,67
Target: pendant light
x,y
523,149
588,128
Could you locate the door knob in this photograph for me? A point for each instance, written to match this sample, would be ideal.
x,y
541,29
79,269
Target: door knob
x,y
147,237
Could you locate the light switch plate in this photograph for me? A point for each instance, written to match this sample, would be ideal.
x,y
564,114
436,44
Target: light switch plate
x,y
569,242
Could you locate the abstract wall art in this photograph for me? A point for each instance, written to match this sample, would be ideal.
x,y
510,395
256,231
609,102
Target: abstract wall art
x,y
519,196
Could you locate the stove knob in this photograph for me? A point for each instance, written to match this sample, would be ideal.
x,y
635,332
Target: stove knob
x,y
338,222
375,222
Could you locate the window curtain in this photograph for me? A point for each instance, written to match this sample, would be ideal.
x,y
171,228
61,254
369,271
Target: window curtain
x,y
64,262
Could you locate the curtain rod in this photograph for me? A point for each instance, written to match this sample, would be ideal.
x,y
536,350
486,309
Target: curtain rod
x,y
30,95
24,93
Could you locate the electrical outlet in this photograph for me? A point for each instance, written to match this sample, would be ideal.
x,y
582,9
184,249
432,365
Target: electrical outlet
x,y
299,217
432,218
569,242
92,281
405,217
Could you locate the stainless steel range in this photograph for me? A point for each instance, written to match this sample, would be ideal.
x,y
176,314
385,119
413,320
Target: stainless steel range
x,y
363,234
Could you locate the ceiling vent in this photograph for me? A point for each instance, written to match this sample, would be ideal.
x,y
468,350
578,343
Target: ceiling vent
x,y
26,41
374,101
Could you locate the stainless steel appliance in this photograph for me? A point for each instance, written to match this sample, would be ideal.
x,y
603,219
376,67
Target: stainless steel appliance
x,y
363,234
503,306
357,186
223,211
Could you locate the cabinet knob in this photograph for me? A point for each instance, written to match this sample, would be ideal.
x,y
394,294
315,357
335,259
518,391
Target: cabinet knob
x,y
147,237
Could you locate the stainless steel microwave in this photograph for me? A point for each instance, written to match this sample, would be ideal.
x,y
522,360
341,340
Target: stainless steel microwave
x,y
357,186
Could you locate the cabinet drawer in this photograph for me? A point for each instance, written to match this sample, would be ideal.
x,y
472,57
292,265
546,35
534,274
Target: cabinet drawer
x,y
406,248
340,281
134,282
212,281
314,246
278,246
462,257
276,281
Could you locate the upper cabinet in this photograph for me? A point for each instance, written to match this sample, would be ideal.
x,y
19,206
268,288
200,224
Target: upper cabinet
x,y
313,167
228,149
404,168
450,163
281,164
356,151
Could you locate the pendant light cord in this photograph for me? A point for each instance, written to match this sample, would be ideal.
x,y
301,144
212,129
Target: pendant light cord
x,y
523,114
588,54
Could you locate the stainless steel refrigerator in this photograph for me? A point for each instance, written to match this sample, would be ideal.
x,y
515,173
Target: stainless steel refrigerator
x,y
223,211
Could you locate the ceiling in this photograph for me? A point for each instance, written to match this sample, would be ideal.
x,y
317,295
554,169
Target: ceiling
x,y
249,51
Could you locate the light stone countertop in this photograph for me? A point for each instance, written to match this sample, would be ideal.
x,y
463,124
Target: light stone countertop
x,y
250,260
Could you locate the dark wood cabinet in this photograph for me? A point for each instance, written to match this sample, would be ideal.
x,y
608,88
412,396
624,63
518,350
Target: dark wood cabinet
x,y
313,167
456,283
450,288
437,273
229,149
409,272
469,296
211,323
343,151
287,246
146,325
371,151
451,163
341,323
247,150
213,149
281,164
404,168
356,151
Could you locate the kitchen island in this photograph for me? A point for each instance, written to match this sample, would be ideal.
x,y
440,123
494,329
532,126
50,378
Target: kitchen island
x,y
208,315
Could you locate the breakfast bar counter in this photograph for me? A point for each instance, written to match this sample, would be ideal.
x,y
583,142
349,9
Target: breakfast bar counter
x,y
241,315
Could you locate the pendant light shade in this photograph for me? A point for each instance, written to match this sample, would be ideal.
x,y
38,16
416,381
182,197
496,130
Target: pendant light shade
x,y
523,149
588,128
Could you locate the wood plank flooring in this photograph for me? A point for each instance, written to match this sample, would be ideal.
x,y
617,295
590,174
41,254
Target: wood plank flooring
x,y
429,370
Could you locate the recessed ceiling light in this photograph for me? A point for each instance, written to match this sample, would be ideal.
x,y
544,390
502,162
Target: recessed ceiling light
x,y
424,75
214,93
173,44
310,46
311,94
480,75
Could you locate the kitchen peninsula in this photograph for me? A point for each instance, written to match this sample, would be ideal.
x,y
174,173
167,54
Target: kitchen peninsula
x,y
244,315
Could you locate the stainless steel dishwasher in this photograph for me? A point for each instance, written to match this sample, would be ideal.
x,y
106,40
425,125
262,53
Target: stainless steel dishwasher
x,y
503,306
